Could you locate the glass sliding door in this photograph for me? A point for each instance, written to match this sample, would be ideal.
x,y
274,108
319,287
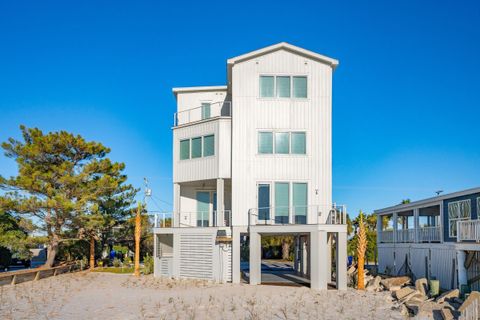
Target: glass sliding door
x,y
203,208
263,202
282,202
300,207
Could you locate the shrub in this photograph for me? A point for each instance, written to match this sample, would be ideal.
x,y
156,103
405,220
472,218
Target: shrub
x,y
148,264
127,260
117,263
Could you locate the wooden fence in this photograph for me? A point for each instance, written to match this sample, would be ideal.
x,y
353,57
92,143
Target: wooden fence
x,y
15,277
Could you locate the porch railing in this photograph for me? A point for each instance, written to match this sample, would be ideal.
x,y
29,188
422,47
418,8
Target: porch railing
x,y
386,236
215,109
468,230
312,214
194,219
407,235
429,234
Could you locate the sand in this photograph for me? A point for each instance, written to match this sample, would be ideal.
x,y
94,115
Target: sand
x,y
86,295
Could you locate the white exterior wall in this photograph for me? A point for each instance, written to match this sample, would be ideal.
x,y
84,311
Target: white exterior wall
x,y
204,168
191,100
251,114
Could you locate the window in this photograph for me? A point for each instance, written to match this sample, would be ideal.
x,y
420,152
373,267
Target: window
x,y
283,87
298,143
299,87
266,86
458,210
205,111
263,201
282,202
208,146
265,142
184,149
300,201
478,208
282,143
196,147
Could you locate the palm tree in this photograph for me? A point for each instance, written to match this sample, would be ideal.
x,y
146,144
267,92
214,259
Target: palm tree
x,y
361,249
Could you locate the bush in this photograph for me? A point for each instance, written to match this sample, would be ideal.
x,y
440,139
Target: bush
x,y
127,260
117,263
148,264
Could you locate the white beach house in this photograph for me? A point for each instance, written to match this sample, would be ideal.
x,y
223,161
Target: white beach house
x,y
254,158
435,238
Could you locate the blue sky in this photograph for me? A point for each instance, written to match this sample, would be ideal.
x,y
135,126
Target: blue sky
x,y
406,118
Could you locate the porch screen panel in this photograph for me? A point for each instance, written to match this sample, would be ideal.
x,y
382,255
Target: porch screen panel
x,y
263,202
300,203
458,210
282,200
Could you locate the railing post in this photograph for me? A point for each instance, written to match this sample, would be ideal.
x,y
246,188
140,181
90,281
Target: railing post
x,y
458,231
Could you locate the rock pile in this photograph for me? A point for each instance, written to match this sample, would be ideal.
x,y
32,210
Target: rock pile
x,y
414,299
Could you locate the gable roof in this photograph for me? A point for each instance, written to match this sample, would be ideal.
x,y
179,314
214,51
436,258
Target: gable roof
x,y
285,46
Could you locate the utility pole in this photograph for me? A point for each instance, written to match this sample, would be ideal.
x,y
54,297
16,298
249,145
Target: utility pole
x,y
138,226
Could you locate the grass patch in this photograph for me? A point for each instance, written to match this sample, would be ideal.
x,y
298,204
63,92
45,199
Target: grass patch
x,y
115,269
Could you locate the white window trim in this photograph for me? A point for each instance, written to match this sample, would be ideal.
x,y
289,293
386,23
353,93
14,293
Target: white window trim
x,y
202,137
456,219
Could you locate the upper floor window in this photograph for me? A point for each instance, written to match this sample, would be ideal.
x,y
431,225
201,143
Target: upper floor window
x,y
282,142
458,210
283,86
197,147
478,208
206,108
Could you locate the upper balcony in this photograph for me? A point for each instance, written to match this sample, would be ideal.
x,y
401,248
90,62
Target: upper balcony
x,y
468,230
204,112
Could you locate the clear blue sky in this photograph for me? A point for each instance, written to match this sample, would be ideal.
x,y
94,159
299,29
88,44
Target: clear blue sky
x,y
406,94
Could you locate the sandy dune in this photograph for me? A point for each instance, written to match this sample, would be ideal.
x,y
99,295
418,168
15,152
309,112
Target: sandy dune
x,y
109,296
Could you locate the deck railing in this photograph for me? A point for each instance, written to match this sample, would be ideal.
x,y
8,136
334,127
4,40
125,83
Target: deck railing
x,y
15,277
215,109
312,214
468,230
194,219
429,234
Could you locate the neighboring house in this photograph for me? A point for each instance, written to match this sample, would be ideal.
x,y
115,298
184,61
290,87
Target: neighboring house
x,y
435,238
254,158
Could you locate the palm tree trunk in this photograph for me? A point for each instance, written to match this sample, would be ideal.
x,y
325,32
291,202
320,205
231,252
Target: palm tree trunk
x,y
138,230
361,249
92,253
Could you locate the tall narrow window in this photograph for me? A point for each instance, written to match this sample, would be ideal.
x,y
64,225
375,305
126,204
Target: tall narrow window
x,y
208,145
283,87
203,208
298,143
299,87
282,200
266,86
196,147
458,210
205,110
265,142
300,207
478,208
184,149
263,202
282,143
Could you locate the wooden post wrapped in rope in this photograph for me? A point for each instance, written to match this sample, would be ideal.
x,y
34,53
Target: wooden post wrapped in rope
x,y
92,253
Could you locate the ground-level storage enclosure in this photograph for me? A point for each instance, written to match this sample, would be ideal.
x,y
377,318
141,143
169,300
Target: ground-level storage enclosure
x,y
431,261
195,253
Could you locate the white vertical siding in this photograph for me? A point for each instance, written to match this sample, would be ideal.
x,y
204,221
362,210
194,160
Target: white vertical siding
x,y
191,100
250,114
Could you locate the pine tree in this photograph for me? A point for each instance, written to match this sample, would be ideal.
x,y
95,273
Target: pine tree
x,y
62,181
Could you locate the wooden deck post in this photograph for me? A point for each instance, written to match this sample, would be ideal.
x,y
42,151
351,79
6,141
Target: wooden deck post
x,y
14,280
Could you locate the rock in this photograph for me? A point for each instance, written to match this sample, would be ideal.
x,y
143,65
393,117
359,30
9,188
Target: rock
x,y
448,295
447,314
404,292
396,281
404,310
413,306
394,288
422,286
374,284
